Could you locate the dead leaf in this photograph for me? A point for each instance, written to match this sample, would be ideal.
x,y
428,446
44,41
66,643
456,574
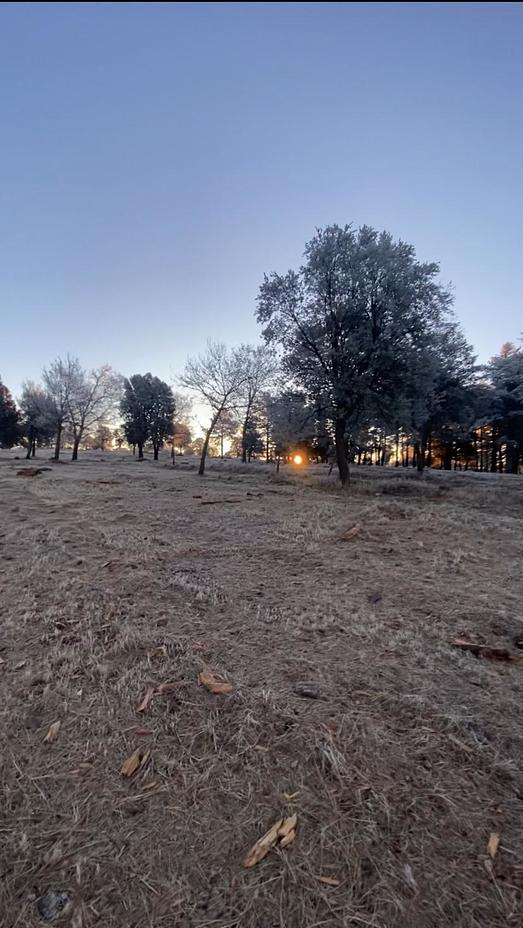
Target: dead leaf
x,y
329,880
52,734
288,839
493,844
288,825
147,699
213,685
490,652
20,665
350,533
290,796
143,731
134,762
263,845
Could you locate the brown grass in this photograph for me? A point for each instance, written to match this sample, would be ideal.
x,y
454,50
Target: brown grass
x,y
116,579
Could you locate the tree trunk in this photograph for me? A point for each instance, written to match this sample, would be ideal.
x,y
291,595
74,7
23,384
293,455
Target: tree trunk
x,y
33,449
341,450
205,448
28,455
244,434
155,452
56,456
75,449
140,450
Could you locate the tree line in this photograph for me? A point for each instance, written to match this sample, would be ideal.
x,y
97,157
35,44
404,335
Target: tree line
x,y
362,360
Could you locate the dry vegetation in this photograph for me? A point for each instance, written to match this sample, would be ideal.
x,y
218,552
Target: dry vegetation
x,y
116,579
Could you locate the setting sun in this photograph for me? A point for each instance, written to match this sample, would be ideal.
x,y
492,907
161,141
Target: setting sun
x,y
298,459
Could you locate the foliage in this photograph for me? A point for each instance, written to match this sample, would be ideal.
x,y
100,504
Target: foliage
x,y
9,419
147,409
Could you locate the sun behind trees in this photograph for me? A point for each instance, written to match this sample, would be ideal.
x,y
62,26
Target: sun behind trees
x,y
355,323
363,361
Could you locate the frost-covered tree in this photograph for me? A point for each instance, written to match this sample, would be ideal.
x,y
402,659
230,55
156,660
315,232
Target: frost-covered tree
x,y
349,321
38,416
259,366
215,378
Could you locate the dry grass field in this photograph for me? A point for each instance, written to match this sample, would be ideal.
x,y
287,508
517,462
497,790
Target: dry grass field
x,y
400,764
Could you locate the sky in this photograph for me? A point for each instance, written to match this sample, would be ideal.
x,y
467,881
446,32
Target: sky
x,y
157,159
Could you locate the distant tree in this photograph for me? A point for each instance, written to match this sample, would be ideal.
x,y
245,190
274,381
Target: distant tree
x,y
102,438
216,378
505,373
147,409
90,398
9,419
118,438
55,383
226,429
182,436
259,367
349,321
252,443
38,416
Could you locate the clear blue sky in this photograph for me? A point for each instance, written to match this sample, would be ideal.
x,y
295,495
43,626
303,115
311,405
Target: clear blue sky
x,y
156,159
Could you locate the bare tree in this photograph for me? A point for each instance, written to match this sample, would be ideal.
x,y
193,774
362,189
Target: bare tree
x,y
55,379
260,367
216,377
91,398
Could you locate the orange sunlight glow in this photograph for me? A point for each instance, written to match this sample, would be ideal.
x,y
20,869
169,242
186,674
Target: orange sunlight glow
x,y
298,459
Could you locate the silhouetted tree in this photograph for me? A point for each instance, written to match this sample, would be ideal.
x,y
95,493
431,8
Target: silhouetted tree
x,y
9,419
147,409
216,378
350,319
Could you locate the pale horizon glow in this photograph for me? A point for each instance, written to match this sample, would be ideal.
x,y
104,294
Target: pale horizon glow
x,y
157,159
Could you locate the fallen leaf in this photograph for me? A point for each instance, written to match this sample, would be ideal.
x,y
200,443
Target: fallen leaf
x,y
493,844
329,880
290,796
213,685
147,699
350,532
133,763
20,665
288,839
263,845
143,731
288,825
52,734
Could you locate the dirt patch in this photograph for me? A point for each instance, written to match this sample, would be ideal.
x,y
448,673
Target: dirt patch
x,y
400,760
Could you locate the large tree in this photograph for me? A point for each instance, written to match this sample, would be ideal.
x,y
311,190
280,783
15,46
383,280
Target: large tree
x,y
147,408
9,419
216,378
349,321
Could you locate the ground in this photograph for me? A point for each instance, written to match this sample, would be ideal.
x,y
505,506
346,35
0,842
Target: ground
x,y
401,764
